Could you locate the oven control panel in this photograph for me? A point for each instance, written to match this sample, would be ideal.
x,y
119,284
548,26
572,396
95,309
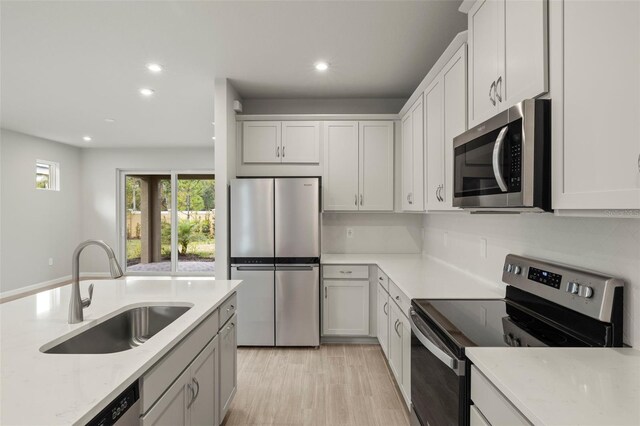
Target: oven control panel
x,y
587,292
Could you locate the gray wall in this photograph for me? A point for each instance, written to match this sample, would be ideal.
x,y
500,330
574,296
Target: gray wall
x,y
37,224
323,106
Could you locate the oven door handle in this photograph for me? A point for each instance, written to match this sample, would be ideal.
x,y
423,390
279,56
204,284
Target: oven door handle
x,y
497,153
451,362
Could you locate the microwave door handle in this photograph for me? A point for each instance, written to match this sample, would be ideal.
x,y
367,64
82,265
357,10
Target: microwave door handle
x,y
497,153
448,360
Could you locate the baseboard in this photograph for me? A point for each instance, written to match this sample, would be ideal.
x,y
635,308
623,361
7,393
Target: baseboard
x,y
349,340
7,296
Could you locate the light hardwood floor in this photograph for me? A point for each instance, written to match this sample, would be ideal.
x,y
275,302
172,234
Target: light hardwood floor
x,y
332,385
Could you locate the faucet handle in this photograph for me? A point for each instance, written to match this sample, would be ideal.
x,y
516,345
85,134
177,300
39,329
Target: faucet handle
x,y
87,301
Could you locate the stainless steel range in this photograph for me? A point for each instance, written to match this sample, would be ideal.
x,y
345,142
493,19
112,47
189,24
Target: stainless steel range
x,y
546,304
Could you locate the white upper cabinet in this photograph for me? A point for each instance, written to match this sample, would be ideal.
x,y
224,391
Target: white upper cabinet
x,y
296,142
340,165
261,141
595,88
358,165
446,118
376,165
507,55
300,142
413,158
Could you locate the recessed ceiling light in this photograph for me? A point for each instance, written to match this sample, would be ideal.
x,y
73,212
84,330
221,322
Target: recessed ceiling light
x,y
109,120
322,66
154,68
146,91
86,138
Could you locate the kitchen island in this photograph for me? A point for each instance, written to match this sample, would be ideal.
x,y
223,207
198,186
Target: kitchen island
x,y
56,389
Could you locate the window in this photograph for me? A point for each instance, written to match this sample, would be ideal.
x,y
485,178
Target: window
x,y
47,175
155,240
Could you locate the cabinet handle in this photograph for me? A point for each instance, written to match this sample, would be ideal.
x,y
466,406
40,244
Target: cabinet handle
x,y
346,272
193,395
356,199
499,91
410,197
437,192
639,162
397,297
283,151
194,380
396,327
277,151
361,198
325,292
384,308
492,89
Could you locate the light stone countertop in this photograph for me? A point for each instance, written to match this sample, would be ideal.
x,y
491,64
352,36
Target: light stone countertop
x,y
55,389
420,276
566,386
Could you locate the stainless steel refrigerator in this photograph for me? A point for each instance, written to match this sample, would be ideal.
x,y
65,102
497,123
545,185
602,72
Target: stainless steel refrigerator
x,y
275,251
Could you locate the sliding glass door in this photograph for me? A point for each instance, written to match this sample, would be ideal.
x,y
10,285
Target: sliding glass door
x,y
154,240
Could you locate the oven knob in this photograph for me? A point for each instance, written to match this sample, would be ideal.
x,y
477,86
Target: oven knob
x,y
508,338
509,268
516,342
517,270
585,291
573,288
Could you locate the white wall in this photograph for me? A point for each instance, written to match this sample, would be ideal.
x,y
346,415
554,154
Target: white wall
x,y
323,106
99,183
607,245
37,224
225,119
372,233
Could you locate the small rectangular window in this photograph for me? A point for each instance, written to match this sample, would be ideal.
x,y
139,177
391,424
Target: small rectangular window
x,y
47,175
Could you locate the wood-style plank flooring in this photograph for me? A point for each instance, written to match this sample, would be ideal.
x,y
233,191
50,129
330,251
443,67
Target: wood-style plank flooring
x,y
332,385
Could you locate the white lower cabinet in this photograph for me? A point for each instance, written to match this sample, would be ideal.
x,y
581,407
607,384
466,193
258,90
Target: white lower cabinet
x,y
400,350
382,316
191,399
228,365
345,308
491,407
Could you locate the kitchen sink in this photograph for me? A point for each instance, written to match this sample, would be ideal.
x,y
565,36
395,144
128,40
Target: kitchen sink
x,y
126,330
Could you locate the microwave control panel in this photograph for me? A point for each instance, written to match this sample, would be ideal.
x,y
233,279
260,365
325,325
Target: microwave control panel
x,y
515,172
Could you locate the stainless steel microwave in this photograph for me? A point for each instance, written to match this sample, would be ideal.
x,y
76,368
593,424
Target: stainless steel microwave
x,y
504,164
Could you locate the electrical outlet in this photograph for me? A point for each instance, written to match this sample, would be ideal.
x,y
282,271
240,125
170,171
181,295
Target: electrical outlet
x,y
349,232
483,248
51,261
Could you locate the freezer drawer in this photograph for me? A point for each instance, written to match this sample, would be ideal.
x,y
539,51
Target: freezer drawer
x,y
252,207
297,305
255,305
297,218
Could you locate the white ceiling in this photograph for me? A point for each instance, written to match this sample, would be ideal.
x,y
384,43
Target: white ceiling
x,y
66,66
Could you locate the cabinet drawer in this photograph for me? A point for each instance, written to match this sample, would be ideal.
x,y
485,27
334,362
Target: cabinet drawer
x,y
476,418
227,309
401,299
155,381
346,271
495,408
383,280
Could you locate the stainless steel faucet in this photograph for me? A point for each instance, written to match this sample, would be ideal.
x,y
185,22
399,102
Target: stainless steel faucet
x,y
77,303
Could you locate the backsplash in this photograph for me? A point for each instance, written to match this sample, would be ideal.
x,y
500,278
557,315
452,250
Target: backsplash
x,y
372,233
602,244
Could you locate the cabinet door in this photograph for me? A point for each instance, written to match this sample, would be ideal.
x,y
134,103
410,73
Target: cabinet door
x,y
204,379
434,113
228,365
596,140
345,310
376,166
300,142
405,332
261,142
407,160
383,320
483,60
522,51
395,342
341,165
172,408
417,198
454,81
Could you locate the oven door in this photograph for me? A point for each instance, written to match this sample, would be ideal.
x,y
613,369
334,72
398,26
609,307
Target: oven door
x,y
488,164
438,381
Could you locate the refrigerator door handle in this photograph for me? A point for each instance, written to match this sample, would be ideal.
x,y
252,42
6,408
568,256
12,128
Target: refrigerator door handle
x,y
295,267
